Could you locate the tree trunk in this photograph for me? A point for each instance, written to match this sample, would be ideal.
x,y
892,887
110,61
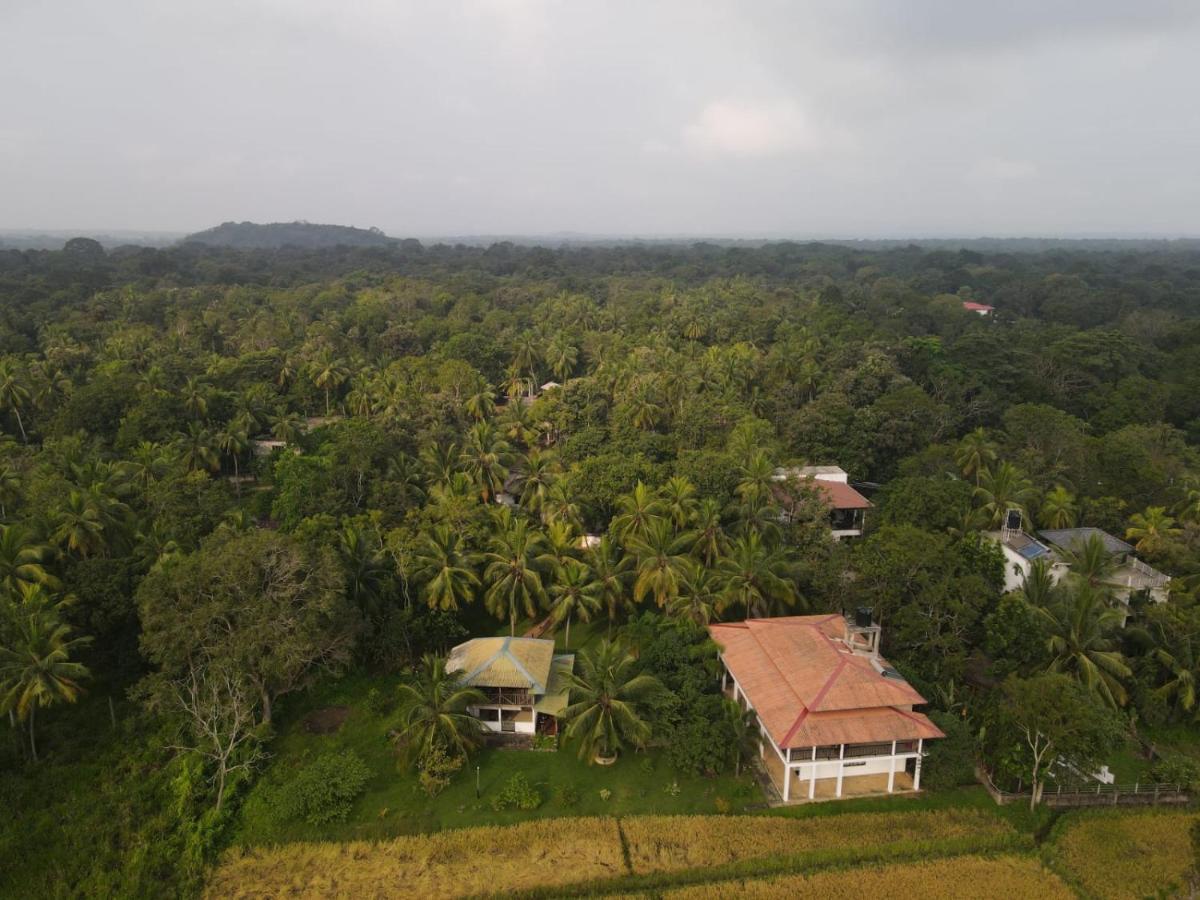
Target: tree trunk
x,y
220,785
32,738
237,481
20,424
112,714
327,402
567,639
266,705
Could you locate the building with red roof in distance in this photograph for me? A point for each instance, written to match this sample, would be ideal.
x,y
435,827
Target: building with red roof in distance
x,y
836,720
981,308
847,507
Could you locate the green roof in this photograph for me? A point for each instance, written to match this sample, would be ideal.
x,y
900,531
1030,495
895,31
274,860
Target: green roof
x,y
558,691
504,662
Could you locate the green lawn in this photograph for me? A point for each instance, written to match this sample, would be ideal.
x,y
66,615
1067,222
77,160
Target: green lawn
x,y
394,803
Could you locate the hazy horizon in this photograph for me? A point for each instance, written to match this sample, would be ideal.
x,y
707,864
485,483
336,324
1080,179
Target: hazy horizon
x,y
531,118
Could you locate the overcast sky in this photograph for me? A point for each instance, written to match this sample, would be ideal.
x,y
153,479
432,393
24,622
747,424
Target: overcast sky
x,y
843,118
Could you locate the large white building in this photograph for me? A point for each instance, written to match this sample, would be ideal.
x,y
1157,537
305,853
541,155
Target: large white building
x,y
836,720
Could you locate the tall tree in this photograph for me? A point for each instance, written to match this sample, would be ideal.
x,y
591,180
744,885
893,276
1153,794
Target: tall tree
x,y
975,455
1077,635
1152,530
574,593
1002,489
433,713
515,583
756,576
607,701
446,568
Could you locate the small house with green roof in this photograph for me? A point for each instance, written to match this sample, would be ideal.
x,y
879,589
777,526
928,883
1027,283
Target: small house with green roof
x,y
524,681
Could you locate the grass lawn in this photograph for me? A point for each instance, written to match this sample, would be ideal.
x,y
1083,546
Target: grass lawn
x,y
394,803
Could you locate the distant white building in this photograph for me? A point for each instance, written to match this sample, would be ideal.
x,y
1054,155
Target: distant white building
x,y
1129,577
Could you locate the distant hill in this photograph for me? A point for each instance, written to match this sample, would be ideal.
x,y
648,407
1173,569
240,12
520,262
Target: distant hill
x,y
252,236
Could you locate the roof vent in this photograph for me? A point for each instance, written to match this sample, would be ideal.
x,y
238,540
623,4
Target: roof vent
x,y
889,672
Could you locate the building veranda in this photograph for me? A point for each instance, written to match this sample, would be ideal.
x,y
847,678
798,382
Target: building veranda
x,y
836,720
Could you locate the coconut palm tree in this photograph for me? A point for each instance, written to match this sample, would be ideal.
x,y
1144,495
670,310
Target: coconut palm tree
x,y
515,584
1058,508
1152,530
1077,637
756,576
233,441
1090,562
80,526
1038,587
611,571
23,560
574,592
679,499
701,598
10,488
709,532
36,666
755,479
607,697
485,458
481,404
1188,508
369,570
286,426
975,455
533,476
446,569
744,733
1003,489
14,393
661,557
561,356
195,395
199,449
433,713
636,511
526,356
328,373
560,546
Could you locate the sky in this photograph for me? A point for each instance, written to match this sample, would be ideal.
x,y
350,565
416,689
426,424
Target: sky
x,y
851,118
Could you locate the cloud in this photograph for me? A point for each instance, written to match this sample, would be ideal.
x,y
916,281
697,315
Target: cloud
x,y
997,168
749,128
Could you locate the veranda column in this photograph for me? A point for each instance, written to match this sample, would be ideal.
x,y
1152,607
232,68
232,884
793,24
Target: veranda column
x,y
787,782
841,767
892,769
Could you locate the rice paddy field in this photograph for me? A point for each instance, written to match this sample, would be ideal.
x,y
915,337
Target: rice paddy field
x,y
1125,856
961,878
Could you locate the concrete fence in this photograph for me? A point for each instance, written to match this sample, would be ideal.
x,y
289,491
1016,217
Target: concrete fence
x,y
1136,794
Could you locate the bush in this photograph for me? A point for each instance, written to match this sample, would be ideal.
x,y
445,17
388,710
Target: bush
x,y
1176,769
951,762
567,794
324,790
518,793
436,768
378,702
545,742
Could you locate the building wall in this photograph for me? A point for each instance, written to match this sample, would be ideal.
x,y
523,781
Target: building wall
x,y
526,721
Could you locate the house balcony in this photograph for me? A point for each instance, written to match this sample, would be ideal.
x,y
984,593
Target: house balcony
x,y
508,697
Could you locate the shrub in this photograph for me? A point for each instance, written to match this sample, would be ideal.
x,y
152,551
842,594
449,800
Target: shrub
x,y
545,742
324,790
518,793
378,702
567,794
605,793
1176,769
436,768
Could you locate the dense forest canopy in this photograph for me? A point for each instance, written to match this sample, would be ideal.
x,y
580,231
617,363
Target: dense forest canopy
x,y
227,473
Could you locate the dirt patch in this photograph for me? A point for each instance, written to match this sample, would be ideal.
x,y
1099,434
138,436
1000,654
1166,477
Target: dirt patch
x,y
327,720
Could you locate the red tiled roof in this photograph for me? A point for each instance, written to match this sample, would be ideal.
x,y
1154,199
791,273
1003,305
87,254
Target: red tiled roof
x,y
836,494
808,688
972,306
